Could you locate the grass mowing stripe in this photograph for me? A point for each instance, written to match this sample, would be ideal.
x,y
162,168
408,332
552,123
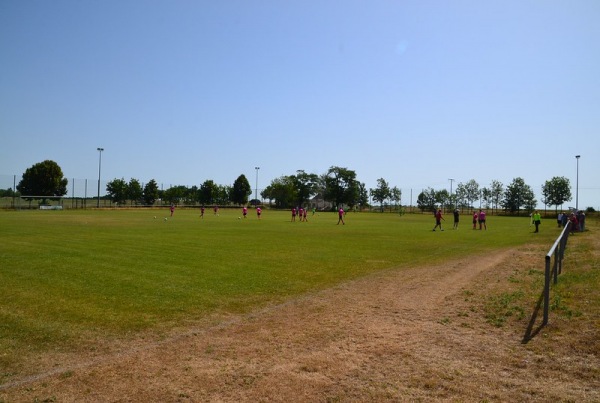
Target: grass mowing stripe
x,y
72,274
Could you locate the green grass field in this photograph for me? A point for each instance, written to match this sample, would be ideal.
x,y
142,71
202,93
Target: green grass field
x,y
71,277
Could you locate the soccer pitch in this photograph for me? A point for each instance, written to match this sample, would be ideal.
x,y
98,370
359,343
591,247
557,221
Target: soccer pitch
x,y
68,278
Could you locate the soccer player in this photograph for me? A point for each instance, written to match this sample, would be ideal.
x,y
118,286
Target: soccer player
x,y
438,220
537,220
245,211
258,212
481,219
456,218
341,216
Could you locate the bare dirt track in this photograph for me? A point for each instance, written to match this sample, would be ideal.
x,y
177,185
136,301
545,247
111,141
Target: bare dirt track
x,y
415,334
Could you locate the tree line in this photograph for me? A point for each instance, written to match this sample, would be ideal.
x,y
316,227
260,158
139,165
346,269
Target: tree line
x,y
338,186
516,196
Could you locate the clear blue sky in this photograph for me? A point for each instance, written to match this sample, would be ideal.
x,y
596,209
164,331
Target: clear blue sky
x,y
415,92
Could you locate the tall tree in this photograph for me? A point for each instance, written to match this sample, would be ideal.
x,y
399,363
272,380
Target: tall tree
x,y
396,196
517,195
426,200
117,190
282,190
556,191
222,194
241,190
341,187
307,185
176,194
363,195
208,192
486,196
497,189
472,191
150,192
135,191
442,197
381,193
460,195
43,179
9,192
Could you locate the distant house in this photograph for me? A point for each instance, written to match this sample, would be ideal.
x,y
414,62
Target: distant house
x,y
319,203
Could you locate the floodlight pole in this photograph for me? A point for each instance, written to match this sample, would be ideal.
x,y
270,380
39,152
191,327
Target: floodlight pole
x,y
256,188
99,170
577,185
451,180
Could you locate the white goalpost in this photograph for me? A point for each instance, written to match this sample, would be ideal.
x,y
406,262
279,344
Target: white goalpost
x,y
39,202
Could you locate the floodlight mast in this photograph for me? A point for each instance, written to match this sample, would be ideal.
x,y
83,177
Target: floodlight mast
x,y
577,185
451,180
100,149
256,188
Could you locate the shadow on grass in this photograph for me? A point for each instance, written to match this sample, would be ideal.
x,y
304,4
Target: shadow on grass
x,y
530,333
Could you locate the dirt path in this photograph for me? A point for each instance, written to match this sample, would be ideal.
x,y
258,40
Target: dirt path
x,y
399,335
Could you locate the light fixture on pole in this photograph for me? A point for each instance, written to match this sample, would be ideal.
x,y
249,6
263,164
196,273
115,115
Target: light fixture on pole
x,y
577,185
256,187
451,180
99,170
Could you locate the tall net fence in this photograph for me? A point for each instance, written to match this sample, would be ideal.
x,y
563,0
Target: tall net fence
x,y
87,193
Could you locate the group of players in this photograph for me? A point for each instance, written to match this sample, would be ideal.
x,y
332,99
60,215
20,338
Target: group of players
x,y
299,212
478,218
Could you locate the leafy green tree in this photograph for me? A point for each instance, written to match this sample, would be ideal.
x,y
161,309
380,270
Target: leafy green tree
x,y
497,189
363,195
9,192
134,191
460,195
486,196
222,194
426,200
396,196
176,194
282,190
517,195
43,179
471,192
150,194
341,187
381,193
208,192
117,190
241,190
193,195
556,191
306,185
442,197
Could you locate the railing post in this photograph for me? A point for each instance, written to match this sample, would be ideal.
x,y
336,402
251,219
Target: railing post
x,y
546,290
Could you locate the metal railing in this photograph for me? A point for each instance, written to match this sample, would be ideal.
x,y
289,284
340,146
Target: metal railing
x,y
554,259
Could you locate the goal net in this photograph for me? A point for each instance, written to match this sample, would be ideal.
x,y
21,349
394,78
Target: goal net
x,y
39,203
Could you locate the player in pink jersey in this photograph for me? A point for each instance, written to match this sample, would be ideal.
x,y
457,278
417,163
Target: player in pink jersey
x,y
481,219
341,216
438,220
